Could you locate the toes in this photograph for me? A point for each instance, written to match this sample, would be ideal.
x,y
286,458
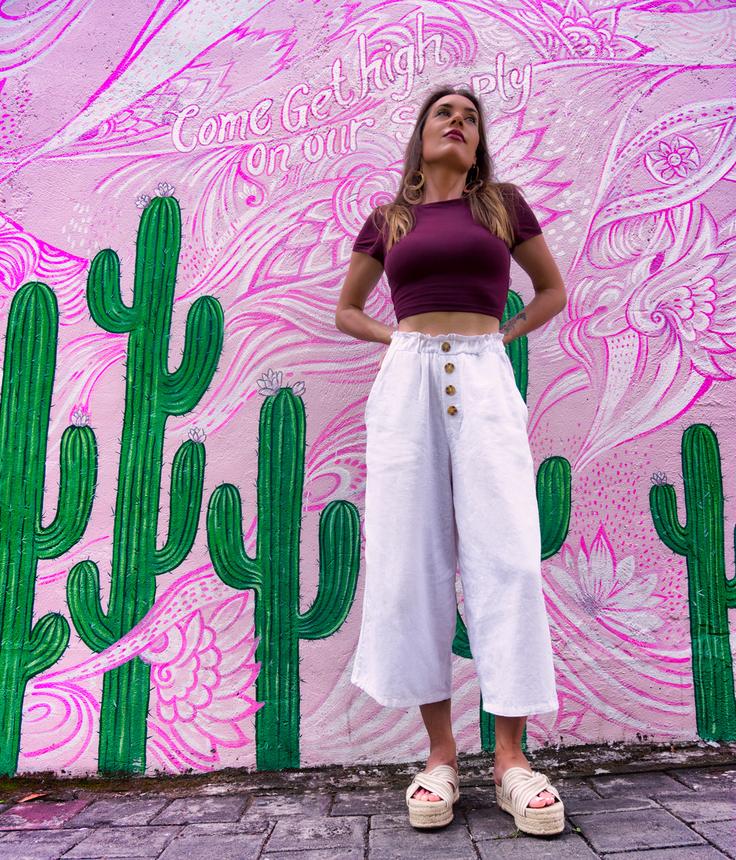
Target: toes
x,y
423,794
543,798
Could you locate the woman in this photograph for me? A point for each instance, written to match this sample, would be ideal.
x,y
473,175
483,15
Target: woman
x,y
449,468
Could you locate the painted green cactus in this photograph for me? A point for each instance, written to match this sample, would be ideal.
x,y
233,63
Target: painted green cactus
x,y
273,573
710,593
152,394
26,649
554,498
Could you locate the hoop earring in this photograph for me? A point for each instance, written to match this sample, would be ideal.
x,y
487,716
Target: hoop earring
x,y
476,183
413,193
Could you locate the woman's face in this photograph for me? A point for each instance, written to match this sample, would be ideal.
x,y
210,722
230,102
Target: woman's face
x,y
451,113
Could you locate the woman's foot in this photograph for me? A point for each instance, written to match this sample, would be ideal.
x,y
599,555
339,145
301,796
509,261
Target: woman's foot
x,y
435,758
503,761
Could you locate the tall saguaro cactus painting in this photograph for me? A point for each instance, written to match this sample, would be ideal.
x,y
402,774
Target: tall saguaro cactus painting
x,y
27,649
152,394
273,573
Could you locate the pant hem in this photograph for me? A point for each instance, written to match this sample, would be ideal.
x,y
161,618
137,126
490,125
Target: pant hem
x,y
520,710
436,696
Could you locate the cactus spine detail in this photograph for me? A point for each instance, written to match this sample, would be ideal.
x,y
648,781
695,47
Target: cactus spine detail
x,y
26,649
152,394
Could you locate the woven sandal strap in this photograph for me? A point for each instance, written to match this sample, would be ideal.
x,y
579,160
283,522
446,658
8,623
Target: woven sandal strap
x,y
434,783
517,776
446,772
523,786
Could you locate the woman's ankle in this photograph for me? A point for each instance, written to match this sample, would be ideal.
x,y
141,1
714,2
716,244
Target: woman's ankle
x,y
445,754
509,753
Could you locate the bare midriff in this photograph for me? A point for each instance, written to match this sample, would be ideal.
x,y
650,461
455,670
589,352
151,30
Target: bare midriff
x,y
444,322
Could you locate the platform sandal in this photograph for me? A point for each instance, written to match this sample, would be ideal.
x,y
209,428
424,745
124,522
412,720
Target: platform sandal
x,y
444,781
518,787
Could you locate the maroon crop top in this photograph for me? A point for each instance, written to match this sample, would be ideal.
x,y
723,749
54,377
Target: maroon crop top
x,y
447,261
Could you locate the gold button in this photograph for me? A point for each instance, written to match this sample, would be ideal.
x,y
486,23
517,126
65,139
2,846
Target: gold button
x,y
449,367
445,345
452,409
450,389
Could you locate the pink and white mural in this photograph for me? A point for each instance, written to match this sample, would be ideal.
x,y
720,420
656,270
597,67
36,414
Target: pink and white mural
x,y
181,424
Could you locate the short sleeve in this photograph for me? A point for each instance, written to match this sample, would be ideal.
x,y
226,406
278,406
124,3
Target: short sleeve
x,y
370,238
526,224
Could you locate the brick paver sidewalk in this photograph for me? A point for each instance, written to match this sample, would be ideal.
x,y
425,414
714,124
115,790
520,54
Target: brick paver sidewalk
x,y
678,812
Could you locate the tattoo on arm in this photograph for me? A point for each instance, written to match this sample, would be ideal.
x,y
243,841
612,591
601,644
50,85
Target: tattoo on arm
x,y
510,324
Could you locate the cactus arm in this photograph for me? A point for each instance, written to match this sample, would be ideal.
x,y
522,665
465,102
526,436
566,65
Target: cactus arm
x,y
663,504
731,592
461,642
554,500
731,583
83,597
339,551
48,642
183,389
187,481
105,302
227,551
78,477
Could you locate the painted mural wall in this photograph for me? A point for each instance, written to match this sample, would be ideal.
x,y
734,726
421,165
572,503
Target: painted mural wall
x,y
182,426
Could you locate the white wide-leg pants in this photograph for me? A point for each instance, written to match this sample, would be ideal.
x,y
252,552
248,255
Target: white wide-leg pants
x,y
450,480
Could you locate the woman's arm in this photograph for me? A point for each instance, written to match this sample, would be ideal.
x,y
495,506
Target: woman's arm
x,y
550,297
364,273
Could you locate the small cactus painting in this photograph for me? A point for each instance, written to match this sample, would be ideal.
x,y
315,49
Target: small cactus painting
x,y
711,592
274,571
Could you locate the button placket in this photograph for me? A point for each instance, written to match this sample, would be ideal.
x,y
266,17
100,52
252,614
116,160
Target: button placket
x,y
449,368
